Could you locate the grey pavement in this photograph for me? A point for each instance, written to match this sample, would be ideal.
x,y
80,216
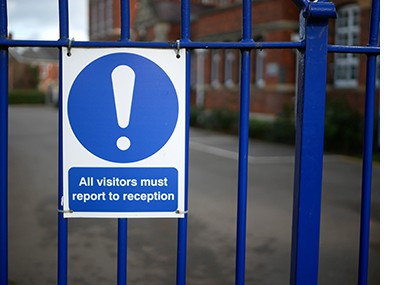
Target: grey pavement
x,y
212,216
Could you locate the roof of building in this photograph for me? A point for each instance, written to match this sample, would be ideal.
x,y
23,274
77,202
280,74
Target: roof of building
x,y
34,55
156,11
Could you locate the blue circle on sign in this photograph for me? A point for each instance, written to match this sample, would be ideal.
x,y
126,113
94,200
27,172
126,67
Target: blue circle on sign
x,y
93,111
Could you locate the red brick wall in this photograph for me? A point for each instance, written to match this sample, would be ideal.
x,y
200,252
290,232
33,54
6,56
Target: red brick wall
x,y
116,20
270,17
222,21
273,21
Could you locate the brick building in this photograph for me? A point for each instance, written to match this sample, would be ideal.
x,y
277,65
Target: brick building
x,y
34,68
105,19
347,72
215,73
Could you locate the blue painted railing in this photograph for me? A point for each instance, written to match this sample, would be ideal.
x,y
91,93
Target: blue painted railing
x,y
368,144
3,147
313,48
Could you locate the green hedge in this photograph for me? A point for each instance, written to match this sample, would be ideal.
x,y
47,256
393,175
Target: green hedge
x,y
280,130
219,120
21,96
343,126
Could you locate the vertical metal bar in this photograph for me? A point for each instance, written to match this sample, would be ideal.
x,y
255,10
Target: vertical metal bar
x,y
185,20
309,151
123,222
183,222
246,21
63,18
125,20
62,222
243,169
368,147
243,146
62,268
122,251
3,148
3,166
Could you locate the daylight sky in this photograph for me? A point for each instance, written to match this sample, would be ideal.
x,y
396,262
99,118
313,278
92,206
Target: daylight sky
x,y
38,20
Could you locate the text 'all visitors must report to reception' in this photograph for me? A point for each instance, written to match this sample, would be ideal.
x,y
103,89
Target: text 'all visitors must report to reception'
x,y
123,189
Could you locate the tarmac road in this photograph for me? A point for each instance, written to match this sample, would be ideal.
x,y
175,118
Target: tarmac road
x,y
212,216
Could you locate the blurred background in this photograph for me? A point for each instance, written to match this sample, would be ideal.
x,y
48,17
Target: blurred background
x,y
33,148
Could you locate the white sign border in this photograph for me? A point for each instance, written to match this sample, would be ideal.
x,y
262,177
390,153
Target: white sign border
x,y
171,155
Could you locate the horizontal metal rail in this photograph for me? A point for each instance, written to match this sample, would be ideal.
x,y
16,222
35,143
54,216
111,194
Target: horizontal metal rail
x,y
172,45
372,50
300,45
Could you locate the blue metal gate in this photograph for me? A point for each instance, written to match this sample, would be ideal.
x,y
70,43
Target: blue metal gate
x,y
314,48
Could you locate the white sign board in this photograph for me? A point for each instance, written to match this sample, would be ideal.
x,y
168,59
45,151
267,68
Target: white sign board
x,y
123,129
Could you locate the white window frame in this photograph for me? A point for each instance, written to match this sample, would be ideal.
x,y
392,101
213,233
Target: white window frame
x,y
198,75
261,54
94,20
215,68
347,33
101,17
229,61
109,15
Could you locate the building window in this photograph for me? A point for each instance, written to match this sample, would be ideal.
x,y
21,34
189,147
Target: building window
x,y
347,33
215,68
101,17
260,68
229,61
94,20
109,15
198,75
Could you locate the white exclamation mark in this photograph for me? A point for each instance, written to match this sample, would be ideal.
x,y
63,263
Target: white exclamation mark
x,y
123,81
